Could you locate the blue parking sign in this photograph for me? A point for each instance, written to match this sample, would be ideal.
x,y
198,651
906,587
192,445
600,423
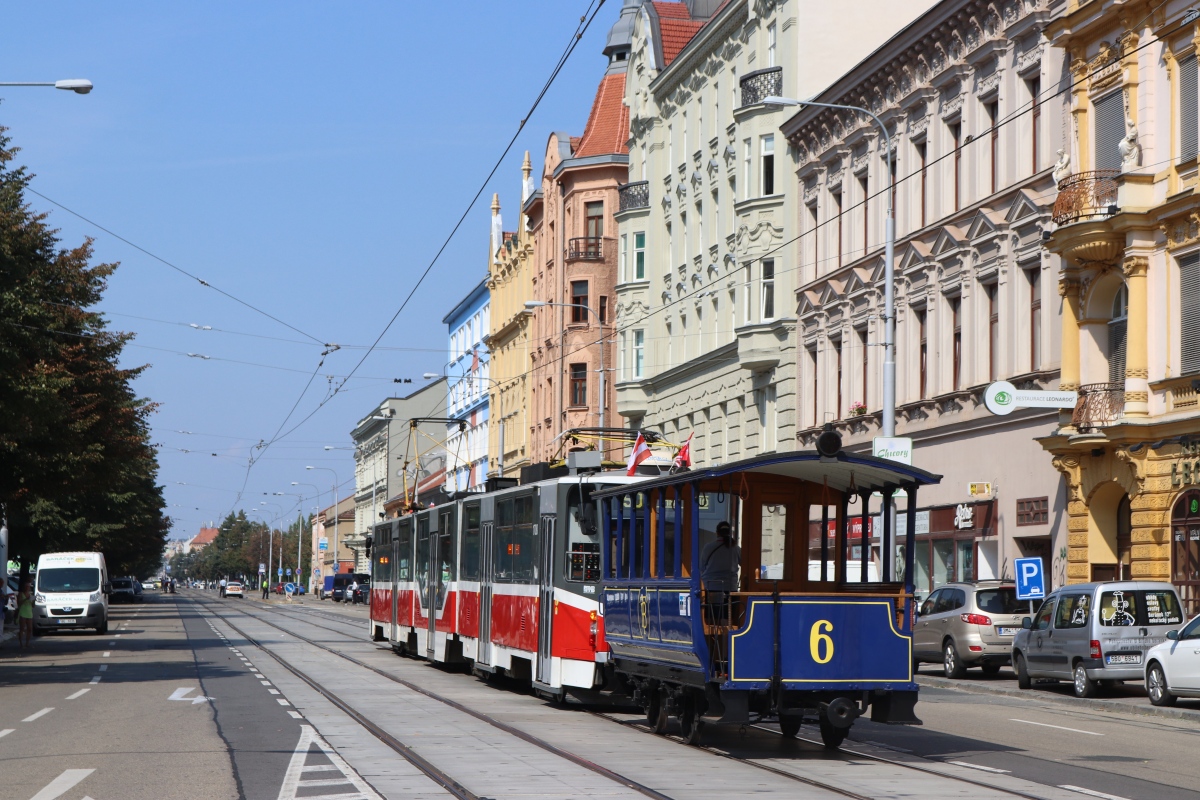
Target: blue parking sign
x,y
1031,580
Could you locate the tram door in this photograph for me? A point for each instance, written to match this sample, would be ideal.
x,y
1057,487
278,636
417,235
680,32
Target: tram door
x,y
487,563
441,571
394,629
545,580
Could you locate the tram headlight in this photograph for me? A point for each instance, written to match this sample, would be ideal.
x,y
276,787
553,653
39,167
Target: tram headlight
x,y
595,630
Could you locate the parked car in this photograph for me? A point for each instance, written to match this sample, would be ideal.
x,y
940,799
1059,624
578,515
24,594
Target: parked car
x,y
125,590
1173,667
341,585
1095,632
362,593
234,589
963,625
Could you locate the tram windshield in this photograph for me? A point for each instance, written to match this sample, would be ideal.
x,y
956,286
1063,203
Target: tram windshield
x,y
583,535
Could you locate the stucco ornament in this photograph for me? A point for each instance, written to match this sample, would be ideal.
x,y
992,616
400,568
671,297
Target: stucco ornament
x,y
1062,167
1130,150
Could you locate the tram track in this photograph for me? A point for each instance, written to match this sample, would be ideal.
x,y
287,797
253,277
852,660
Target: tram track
x,y
434,772
843,753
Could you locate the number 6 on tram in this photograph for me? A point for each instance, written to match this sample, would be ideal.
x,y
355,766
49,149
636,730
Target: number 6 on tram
x,y
815,625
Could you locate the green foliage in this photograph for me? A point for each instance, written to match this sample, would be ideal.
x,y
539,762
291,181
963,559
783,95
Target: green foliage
x,y
241,545
77,470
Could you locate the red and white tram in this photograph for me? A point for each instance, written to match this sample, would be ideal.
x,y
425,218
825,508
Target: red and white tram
x,y
507,581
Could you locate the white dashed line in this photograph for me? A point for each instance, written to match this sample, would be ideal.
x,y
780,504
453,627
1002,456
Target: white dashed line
x,y
41,713
107,653
78,694
95,679
7,731
1090,792
293,715
265,683
283,702
62,784
1056,727
104,667
273,691
976,766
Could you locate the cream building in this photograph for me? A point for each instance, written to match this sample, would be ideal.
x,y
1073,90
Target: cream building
x,y
510,284
1128,229
972,155
707,267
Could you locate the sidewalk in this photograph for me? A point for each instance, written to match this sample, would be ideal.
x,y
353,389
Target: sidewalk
x,y
1119,706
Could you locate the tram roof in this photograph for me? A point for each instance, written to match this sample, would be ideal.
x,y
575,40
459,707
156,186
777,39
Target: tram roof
x,y
842,472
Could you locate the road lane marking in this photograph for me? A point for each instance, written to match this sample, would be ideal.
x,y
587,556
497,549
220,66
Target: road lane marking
x,y
320,768
298,715
95,679
78,694
265,683
977,766
293,779
6,732
1090,792
107,653
181,695
110,644
41,713
62,784
273,691
283,702
104,667
1057,727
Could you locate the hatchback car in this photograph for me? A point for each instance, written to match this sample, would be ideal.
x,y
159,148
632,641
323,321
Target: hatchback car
x,y
1095,632
234,589
1173,667
361,593
125,590
964,625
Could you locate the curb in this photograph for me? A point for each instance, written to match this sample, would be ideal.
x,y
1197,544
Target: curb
x,y
1111,706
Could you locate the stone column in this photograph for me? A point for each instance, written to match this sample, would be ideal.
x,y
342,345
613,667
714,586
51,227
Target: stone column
x,y
1068,289
1137,389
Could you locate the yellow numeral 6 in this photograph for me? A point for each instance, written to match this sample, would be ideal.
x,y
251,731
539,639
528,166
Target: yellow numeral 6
x,y
819,642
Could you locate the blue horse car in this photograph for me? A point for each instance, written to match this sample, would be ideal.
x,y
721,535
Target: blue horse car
x,y
815,626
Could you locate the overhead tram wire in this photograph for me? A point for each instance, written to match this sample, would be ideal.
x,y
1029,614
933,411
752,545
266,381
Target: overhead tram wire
x,y
585,22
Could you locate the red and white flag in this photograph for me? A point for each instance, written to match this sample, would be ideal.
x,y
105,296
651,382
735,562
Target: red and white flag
x,y
684,457
641,452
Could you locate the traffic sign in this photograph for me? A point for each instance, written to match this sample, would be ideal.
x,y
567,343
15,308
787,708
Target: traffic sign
x,y
1031,580
317,572
323,543
289,572
262,569
1003,398
280,571
290,588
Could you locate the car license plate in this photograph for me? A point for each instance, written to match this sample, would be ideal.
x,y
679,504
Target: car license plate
x,y
66,622
1007,631
1129,659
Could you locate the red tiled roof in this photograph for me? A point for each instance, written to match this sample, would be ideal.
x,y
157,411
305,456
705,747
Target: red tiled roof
x,y
607,128
205,536
677,10
676,28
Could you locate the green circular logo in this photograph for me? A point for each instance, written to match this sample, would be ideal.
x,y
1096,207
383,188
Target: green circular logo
x,y
1194,506
1003,398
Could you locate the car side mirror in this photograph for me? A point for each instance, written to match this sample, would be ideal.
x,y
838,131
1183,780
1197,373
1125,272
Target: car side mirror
x,y
1173,635
1026,623
106,588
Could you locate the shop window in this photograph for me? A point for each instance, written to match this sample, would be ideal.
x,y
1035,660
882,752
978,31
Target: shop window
x,y
1033,511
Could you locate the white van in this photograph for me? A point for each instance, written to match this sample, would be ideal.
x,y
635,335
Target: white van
x,y
72,591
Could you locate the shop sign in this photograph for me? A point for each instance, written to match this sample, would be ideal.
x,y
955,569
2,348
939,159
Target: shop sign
x,y
902,523
893,448
1003,398
964,516
979,489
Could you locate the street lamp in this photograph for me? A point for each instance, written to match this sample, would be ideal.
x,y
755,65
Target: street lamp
x,y
311,586
76,85
530,305
271,539
336,515
889,279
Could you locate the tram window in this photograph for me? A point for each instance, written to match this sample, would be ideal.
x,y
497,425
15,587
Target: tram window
x,y
470,546
583,536
516,556
403,571
423,560
773,559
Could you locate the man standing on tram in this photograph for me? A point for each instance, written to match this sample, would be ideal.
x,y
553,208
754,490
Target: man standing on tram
x,y
719,562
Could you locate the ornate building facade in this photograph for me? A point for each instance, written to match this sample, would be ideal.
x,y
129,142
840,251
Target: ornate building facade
x,y
706,322
1128,230
468,383
966,93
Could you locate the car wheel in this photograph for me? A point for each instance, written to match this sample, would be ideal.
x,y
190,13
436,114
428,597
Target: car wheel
x,y
102,628
1156,687
1084,686
1023,679
952,665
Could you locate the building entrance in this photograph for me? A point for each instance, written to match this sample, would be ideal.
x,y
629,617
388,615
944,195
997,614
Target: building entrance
x,y
1185,549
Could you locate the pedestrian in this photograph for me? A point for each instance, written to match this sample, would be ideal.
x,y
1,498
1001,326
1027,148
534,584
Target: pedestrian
x,y
266,589
222,586
25,616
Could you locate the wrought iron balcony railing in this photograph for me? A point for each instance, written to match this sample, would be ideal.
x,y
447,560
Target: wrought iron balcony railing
x,y
585,248
634,195
1099,405
760,84
1085,196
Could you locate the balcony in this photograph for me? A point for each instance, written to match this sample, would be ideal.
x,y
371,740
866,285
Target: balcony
x,y
1086,196
588,248
1099,405
761,84
634,195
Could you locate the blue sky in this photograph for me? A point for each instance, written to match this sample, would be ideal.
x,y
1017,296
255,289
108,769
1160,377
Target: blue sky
x,y
308,158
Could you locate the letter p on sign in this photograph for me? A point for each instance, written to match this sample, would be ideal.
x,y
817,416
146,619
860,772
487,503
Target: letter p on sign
x,y
1031,581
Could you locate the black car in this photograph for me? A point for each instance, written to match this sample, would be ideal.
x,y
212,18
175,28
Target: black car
x,y
126,590
362,594
342,583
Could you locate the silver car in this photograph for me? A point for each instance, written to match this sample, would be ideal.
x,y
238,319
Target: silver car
x,y
1095,632
965,625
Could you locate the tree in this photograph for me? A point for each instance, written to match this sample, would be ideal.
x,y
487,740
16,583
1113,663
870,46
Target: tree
x,y
77,469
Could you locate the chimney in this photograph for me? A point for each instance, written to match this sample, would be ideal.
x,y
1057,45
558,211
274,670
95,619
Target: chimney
x,y
497,227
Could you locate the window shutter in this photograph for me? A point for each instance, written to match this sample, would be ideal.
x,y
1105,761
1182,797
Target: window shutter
x,y
1110,130
1189,313
1189,119
1116,352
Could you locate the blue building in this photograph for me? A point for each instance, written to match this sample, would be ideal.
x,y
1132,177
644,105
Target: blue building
x,y
467,390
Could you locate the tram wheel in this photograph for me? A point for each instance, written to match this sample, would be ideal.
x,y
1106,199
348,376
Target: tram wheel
x,y
656,713
790,726
691,727
832,735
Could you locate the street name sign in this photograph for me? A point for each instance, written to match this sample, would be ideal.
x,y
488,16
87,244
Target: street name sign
x,y
1003,398
1031,580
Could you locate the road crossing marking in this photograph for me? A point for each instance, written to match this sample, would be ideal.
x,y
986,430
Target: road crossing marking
x,y
1090,792
293,780
181,695
297,715
62,784
107,653
977,766
78,694
283,702
95,679
37,714
104,667
1057,727
6,732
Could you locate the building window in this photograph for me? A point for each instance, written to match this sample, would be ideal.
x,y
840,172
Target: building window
x,y
768,289
866,215
771,41
644,162
837,350
579,384
1035,90
746,169
579,297
992,110
1189,120
603,309
622,272
816,385
768,165
639,256
956,143
1189,309
993,302
837,213
1033,511
956,342
1117,327
622,368
595,225
1110,130
747,295
1035,319
864,349
639,353
922,151
922,353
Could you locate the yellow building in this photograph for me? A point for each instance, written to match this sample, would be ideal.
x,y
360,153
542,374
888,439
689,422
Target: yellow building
x,y
510,285
1127,223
